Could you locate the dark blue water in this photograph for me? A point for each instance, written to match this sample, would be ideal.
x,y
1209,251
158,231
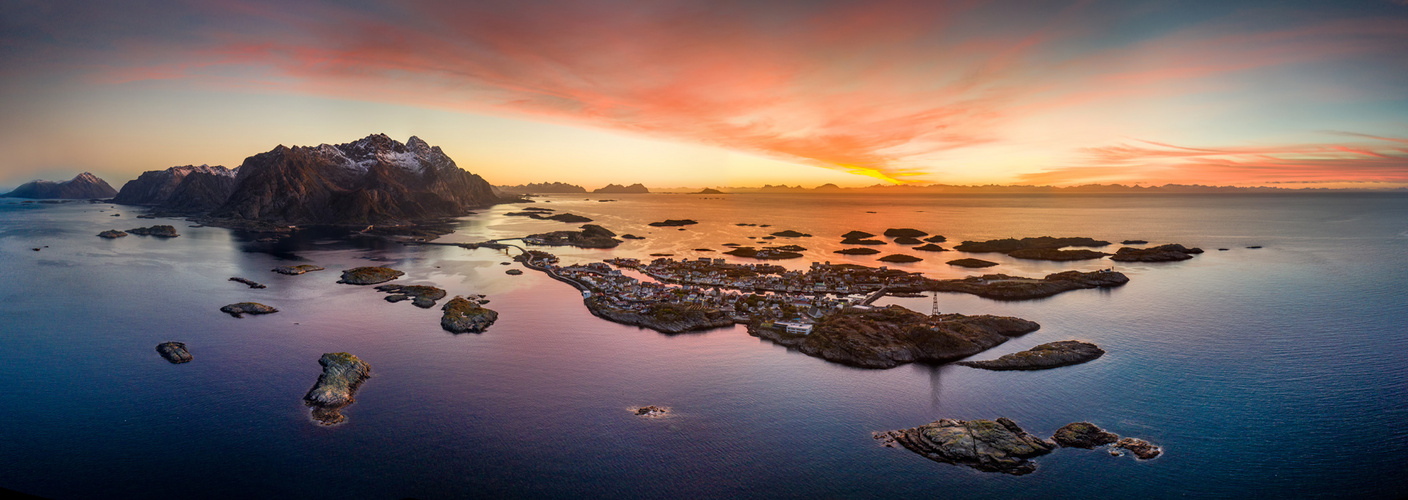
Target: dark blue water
x,y
1268,373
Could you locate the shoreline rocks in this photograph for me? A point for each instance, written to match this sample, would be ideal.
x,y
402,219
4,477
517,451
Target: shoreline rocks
x,y
296,270
466,316
1041,357
1142,449
241,308
336,387
175,352
663,318
369,275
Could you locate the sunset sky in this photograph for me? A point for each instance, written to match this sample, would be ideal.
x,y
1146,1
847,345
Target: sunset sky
x,y
723,93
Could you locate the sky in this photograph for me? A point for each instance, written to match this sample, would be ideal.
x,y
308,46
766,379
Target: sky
x,y
723,93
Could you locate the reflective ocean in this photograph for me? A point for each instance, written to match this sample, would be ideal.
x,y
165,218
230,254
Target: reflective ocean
x,y
1264,373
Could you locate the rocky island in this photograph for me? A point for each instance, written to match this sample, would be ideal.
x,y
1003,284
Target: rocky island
x,y
1083,435
1004,287
890,336
1161,253
175,352
369,275
1056,254
422,296
765,253
591,236
81,186
1048,355
248,282
342,374
857,251
900,258
662,317
111,234
674,223
986,445
241,308
466,316
971,263
297,270
160,231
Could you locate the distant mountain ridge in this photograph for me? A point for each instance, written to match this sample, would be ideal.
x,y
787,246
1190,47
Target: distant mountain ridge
x,y
81,186
636,188
374,180
543,187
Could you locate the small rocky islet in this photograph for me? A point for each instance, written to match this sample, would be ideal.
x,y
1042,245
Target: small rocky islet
x,y
248,282
899,258
336,387
1162,253
1041,357
369,275
160,231
590,236
904,232
674,223
1001,445
111,234
766,253
930,247
240,309
463,315
422,296
297,270
650,411
971,263
857,251
175,352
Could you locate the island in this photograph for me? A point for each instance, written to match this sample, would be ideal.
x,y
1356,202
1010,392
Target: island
x,y
369,275
562,217
861,241
111,234
792,234
160,231
886,337
543,187
248,282
650,411
1041,357
175,352
904,233
422,296
900,258
81,186
766,253
297,270
241,308
1004,287
935,239
342,374
856,235
1001,445
710,191
1134,242
930,247
674,223
1008,245
1055,254
591,236
1162,253
857,251
985,445
463,315
663,317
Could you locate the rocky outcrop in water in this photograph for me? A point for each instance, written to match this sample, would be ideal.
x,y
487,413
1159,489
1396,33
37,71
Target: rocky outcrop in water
x,y
904,233
1009,245
336,387
766,253
248,282
857,251
1140,448
1161,253
375,180
1048,355
241,308
651,411
886,337
930,247
900,258
175,352
1004,287
160,231
986,445
674,223
466,316
1083,435
971,263
791,234
296,270
421,296
591,236
369,275
111,234
1055,254
81,186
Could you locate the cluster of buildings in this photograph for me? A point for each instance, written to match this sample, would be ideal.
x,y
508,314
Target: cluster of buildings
x,y
769,293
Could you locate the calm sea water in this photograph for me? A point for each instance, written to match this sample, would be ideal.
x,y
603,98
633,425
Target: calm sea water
x,y
1268,373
